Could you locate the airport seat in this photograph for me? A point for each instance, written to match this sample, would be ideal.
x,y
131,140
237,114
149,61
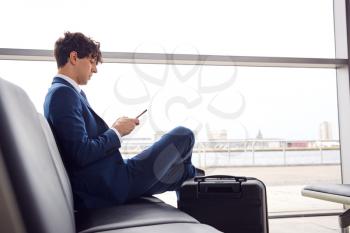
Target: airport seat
x,y
339,193
32,171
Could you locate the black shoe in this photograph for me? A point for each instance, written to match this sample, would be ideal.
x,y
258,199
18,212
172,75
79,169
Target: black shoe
x,y
199,172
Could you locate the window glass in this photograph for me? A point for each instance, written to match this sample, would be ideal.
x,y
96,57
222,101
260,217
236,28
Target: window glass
x,y
292,28
33,76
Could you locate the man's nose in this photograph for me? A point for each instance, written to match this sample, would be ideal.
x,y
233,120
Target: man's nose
x,y
94,69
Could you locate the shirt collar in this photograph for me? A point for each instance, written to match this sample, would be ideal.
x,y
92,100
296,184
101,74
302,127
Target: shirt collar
x,y
70,81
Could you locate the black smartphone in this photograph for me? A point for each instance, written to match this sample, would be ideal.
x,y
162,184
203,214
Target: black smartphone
x,y
141,113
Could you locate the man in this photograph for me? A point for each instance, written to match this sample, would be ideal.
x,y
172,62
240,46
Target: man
x,y
90,149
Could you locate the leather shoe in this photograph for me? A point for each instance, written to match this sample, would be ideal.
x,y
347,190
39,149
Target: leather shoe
x,y
199,172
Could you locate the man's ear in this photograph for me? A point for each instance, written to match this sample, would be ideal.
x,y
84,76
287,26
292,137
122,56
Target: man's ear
x,y
73,56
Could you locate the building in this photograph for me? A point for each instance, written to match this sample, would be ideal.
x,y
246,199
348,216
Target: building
x,y
325,131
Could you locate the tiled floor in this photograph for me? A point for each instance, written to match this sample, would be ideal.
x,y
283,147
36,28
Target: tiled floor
x,y
328,224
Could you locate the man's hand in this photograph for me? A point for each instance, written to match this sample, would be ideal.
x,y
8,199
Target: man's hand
x,y
125,125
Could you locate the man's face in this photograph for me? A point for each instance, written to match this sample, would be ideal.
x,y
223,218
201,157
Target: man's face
x,y
85,68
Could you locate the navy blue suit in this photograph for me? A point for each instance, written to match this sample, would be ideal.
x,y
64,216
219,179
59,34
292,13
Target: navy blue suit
x,y
90,151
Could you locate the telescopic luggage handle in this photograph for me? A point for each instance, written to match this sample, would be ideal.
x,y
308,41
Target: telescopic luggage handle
x,y
220,177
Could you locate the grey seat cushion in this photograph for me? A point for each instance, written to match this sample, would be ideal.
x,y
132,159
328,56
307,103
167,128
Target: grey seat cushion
x,y
140,213
167,228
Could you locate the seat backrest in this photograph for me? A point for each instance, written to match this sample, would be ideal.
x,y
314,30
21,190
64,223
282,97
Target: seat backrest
x,y
33,174
55,154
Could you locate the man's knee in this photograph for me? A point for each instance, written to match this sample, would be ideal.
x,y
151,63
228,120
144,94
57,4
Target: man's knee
x,y
184,133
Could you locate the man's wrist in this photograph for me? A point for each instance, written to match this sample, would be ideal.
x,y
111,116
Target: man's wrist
x,y
118,134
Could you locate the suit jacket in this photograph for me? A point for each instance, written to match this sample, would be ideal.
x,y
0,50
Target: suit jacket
x,y
88,147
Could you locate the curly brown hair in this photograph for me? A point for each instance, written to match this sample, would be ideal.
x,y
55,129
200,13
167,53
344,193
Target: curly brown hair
x,y
78,42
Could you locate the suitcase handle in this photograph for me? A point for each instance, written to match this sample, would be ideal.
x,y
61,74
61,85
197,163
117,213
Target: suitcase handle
x,y
220,177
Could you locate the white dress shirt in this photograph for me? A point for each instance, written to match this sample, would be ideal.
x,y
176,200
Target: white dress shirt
x,y
76,87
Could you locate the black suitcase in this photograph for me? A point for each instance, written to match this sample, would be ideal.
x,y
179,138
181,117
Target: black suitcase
x,y
228,203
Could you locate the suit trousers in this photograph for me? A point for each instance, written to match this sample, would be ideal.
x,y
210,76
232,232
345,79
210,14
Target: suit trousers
x,y
164,166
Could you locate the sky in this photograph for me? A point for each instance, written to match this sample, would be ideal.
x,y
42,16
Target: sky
x,y
283,103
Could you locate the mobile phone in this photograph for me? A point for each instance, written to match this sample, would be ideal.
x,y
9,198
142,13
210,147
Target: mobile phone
x,y
141,113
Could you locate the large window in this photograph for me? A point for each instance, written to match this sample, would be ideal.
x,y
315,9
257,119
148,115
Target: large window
x,y
277,123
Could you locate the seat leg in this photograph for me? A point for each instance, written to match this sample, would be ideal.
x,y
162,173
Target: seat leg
x,y
344,221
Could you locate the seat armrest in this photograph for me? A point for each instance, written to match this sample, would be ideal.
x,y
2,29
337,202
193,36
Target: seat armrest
x,y
339,193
